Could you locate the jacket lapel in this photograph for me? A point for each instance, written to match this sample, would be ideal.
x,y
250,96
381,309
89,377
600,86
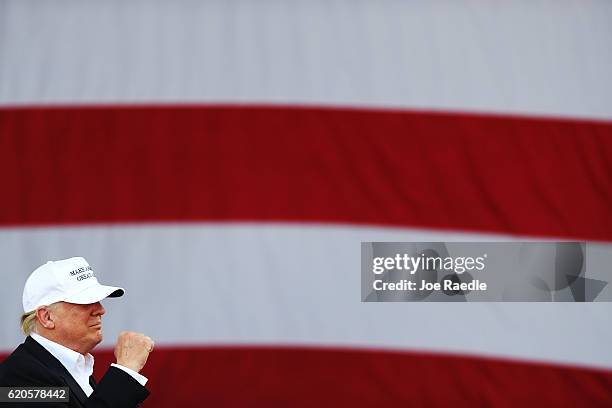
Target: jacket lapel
x,y
92,382
54,365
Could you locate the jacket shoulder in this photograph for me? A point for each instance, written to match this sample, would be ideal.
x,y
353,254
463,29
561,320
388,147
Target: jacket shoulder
x,y
21,368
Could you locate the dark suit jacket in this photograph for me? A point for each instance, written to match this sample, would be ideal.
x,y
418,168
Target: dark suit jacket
x,y
31,365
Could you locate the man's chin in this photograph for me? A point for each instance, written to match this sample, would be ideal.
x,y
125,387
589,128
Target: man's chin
x,y
98,337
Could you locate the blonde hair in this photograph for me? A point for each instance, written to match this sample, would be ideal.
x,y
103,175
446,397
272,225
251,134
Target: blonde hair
x,y
28,322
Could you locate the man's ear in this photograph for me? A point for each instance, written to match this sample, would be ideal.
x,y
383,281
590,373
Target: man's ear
x,y
44,317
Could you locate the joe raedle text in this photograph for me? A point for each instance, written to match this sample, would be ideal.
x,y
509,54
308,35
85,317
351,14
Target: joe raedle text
x,y
446,284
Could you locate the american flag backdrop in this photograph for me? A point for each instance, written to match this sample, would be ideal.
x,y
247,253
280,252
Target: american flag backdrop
x,y
223,161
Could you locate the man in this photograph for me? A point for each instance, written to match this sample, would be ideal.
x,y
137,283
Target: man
x,y
63,321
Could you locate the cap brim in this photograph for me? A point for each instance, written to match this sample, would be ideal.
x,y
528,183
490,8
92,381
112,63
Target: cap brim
x,y
95,294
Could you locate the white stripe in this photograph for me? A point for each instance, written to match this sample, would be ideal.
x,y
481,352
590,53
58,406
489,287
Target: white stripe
x,y
290,284
547,57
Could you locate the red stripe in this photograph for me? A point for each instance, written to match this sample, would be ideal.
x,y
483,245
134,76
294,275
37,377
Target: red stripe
x,y
300,377
147,164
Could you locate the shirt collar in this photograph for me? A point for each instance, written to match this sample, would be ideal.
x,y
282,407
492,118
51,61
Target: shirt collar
x,y
72,360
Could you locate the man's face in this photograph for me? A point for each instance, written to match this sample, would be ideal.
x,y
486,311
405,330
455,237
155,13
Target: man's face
x,y
79,327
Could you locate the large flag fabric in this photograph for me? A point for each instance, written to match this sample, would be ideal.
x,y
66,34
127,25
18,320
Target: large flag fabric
x,y
223,161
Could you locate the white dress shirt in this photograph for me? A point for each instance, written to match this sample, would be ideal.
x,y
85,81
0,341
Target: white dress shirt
x,y
80,367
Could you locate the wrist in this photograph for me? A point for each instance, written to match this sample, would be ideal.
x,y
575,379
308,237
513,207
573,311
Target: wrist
x,y
132,367
135,375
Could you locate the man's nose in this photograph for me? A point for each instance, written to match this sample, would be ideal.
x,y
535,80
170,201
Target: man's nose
x,y
99,309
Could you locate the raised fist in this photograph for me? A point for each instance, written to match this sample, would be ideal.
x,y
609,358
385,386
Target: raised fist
x,y
132,350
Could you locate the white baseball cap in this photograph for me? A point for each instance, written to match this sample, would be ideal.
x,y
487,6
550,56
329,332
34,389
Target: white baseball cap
x,y
69,280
